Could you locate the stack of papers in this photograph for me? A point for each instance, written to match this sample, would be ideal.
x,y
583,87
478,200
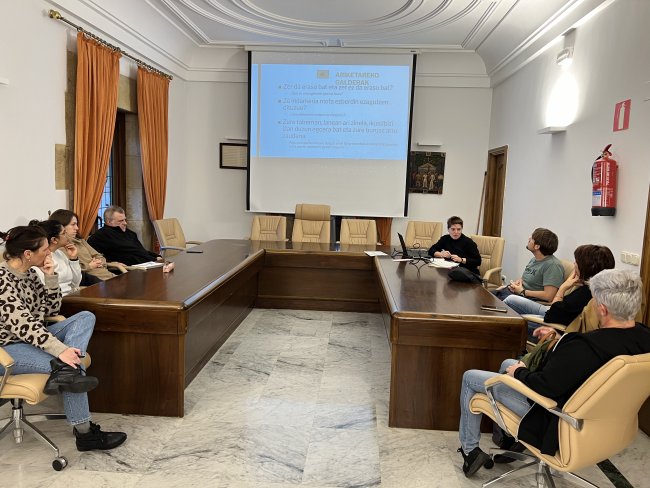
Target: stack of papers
x,y
441,263
149,265
375,253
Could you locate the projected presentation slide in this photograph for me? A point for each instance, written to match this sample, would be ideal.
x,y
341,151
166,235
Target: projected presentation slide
x,y
330,111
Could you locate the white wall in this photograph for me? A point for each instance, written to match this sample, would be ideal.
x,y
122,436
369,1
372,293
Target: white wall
x,y
32,50
548,176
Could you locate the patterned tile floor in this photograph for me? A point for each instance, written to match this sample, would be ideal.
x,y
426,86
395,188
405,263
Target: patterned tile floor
x,y
294,398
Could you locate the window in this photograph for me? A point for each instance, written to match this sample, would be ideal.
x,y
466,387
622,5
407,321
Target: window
x,y
115,188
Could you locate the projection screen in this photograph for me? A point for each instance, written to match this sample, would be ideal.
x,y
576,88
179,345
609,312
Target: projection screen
x,y
329,128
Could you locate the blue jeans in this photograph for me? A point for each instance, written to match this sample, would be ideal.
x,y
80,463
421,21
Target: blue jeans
x,y
75,331
469,430
525,306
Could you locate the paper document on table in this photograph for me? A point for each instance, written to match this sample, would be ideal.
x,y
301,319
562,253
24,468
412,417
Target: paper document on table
x,y
441,263
149,265
376,253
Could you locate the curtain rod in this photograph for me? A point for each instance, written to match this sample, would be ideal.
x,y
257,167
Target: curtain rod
x,y
57,16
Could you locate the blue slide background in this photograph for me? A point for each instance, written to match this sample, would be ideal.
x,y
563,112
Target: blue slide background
x,y
307,111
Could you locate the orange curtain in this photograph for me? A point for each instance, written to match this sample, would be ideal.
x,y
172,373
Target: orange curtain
x,y
98,73
153,95
383,229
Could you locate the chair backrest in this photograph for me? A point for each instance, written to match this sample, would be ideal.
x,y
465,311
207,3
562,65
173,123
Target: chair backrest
x,y
169,232
422,234
358,231
311,223
491,250
269,228
608,404
568,268
587,319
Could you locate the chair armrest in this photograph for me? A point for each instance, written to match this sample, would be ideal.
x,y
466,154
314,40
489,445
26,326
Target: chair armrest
x,y
5,359
518,386
55,318
545,402
540,320
488,274
194,242
173,248
118,266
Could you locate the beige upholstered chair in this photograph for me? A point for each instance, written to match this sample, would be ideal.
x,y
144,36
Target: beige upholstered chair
x,y
22,388
491,250
312,223
585,322
170,236
598,421
358,231
568,268
269,228
423,235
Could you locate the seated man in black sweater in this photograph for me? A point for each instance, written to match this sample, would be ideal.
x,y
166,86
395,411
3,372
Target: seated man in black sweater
x,y
117,243
457,247
572,361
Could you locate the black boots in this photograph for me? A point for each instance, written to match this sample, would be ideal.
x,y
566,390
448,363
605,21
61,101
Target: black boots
x,y
474,460
66,378
96,439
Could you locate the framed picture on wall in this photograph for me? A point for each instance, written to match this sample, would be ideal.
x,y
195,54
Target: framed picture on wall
x,y
233,156
426,172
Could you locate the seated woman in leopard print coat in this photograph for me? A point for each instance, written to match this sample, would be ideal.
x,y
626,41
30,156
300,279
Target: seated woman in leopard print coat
x,y
25,302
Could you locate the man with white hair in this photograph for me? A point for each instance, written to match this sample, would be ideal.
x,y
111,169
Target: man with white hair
x,y
117,243
574,359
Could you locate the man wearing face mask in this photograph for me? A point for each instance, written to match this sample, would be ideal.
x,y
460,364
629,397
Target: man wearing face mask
x,y
117,243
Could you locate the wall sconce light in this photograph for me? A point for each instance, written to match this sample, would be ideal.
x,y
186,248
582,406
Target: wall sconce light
x,y
565,57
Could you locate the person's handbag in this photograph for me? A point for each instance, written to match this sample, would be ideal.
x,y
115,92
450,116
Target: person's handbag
x,y
464,275
536,358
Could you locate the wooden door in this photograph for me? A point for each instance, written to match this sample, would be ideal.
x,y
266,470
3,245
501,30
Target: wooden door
x,y
495,184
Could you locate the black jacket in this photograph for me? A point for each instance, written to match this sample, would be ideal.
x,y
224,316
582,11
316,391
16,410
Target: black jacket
x,y
575,358
463,247
563,312
121,246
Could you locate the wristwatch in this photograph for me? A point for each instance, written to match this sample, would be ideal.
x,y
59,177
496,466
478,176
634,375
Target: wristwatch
x,y
523,292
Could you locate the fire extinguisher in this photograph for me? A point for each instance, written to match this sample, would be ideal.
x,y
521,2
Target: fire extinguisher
x,y
603,178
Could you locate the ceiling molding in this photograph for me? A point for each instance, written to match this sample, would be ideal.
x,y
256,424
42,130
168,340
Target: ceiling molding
x,y
573,13
195,39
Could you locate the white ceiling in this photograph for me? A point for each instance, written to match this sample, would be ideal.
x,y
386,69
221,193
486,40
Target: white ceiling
x,y
504,33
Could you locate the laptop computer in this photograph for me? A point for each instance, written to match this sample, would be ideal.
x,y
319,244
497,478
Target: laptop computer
x,y
411,253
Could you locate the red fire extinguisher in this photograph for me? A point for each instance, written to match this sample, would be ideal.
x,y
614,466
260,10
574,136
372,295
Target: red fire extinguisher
x,y
603,178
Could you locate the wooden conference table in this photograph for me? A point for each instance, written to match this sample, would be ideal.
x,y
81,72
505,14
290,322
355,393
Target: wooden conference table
x,y
155,331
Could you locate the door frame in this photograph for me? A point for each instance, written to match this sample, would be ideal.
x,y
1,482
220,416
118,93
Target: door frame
x,y
494,186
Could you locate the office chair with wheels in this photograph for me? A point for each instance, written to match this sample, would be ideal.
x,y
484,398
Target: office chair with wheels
x,y
269,228
422,234
358,231
311,223
171,237
22,388
491,250
598,421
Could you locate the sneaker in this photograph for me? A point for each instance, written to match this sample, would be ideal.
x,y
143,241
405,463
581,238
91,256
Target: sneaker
x,y
66,378
504,458
95,438
474,460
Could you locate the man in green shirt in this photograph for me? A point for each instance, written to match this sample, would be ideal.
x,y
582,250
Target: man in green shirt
x,y
543,274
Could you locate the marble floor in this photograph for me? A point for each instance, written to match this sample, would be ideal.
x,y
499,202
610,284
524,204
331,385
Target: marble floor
x,y
292,398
